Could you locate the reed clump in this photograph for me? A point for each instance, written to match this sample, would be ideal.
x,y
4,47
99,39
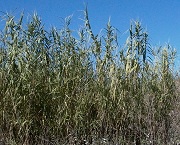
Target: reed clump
x,y
59,89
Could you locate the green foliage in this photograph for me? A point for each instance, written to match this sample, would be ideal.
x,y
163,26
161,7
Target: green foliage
x,y
55,87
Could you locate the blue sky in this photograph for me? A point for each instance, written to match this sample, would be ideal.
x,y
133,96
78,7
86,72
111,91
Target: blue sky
x,y
161,18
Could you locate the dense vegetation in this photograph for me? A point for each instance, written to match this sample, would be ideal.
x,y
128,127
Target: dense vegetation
x,y
59,89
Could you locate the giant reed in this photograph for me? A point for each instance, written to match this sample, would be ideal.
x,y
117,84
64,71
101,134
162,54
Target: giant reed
x,y
57,88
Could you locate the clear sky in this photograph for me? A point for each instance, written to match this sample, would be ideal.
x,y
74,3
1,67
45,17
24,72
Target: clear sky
x,y
161,18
